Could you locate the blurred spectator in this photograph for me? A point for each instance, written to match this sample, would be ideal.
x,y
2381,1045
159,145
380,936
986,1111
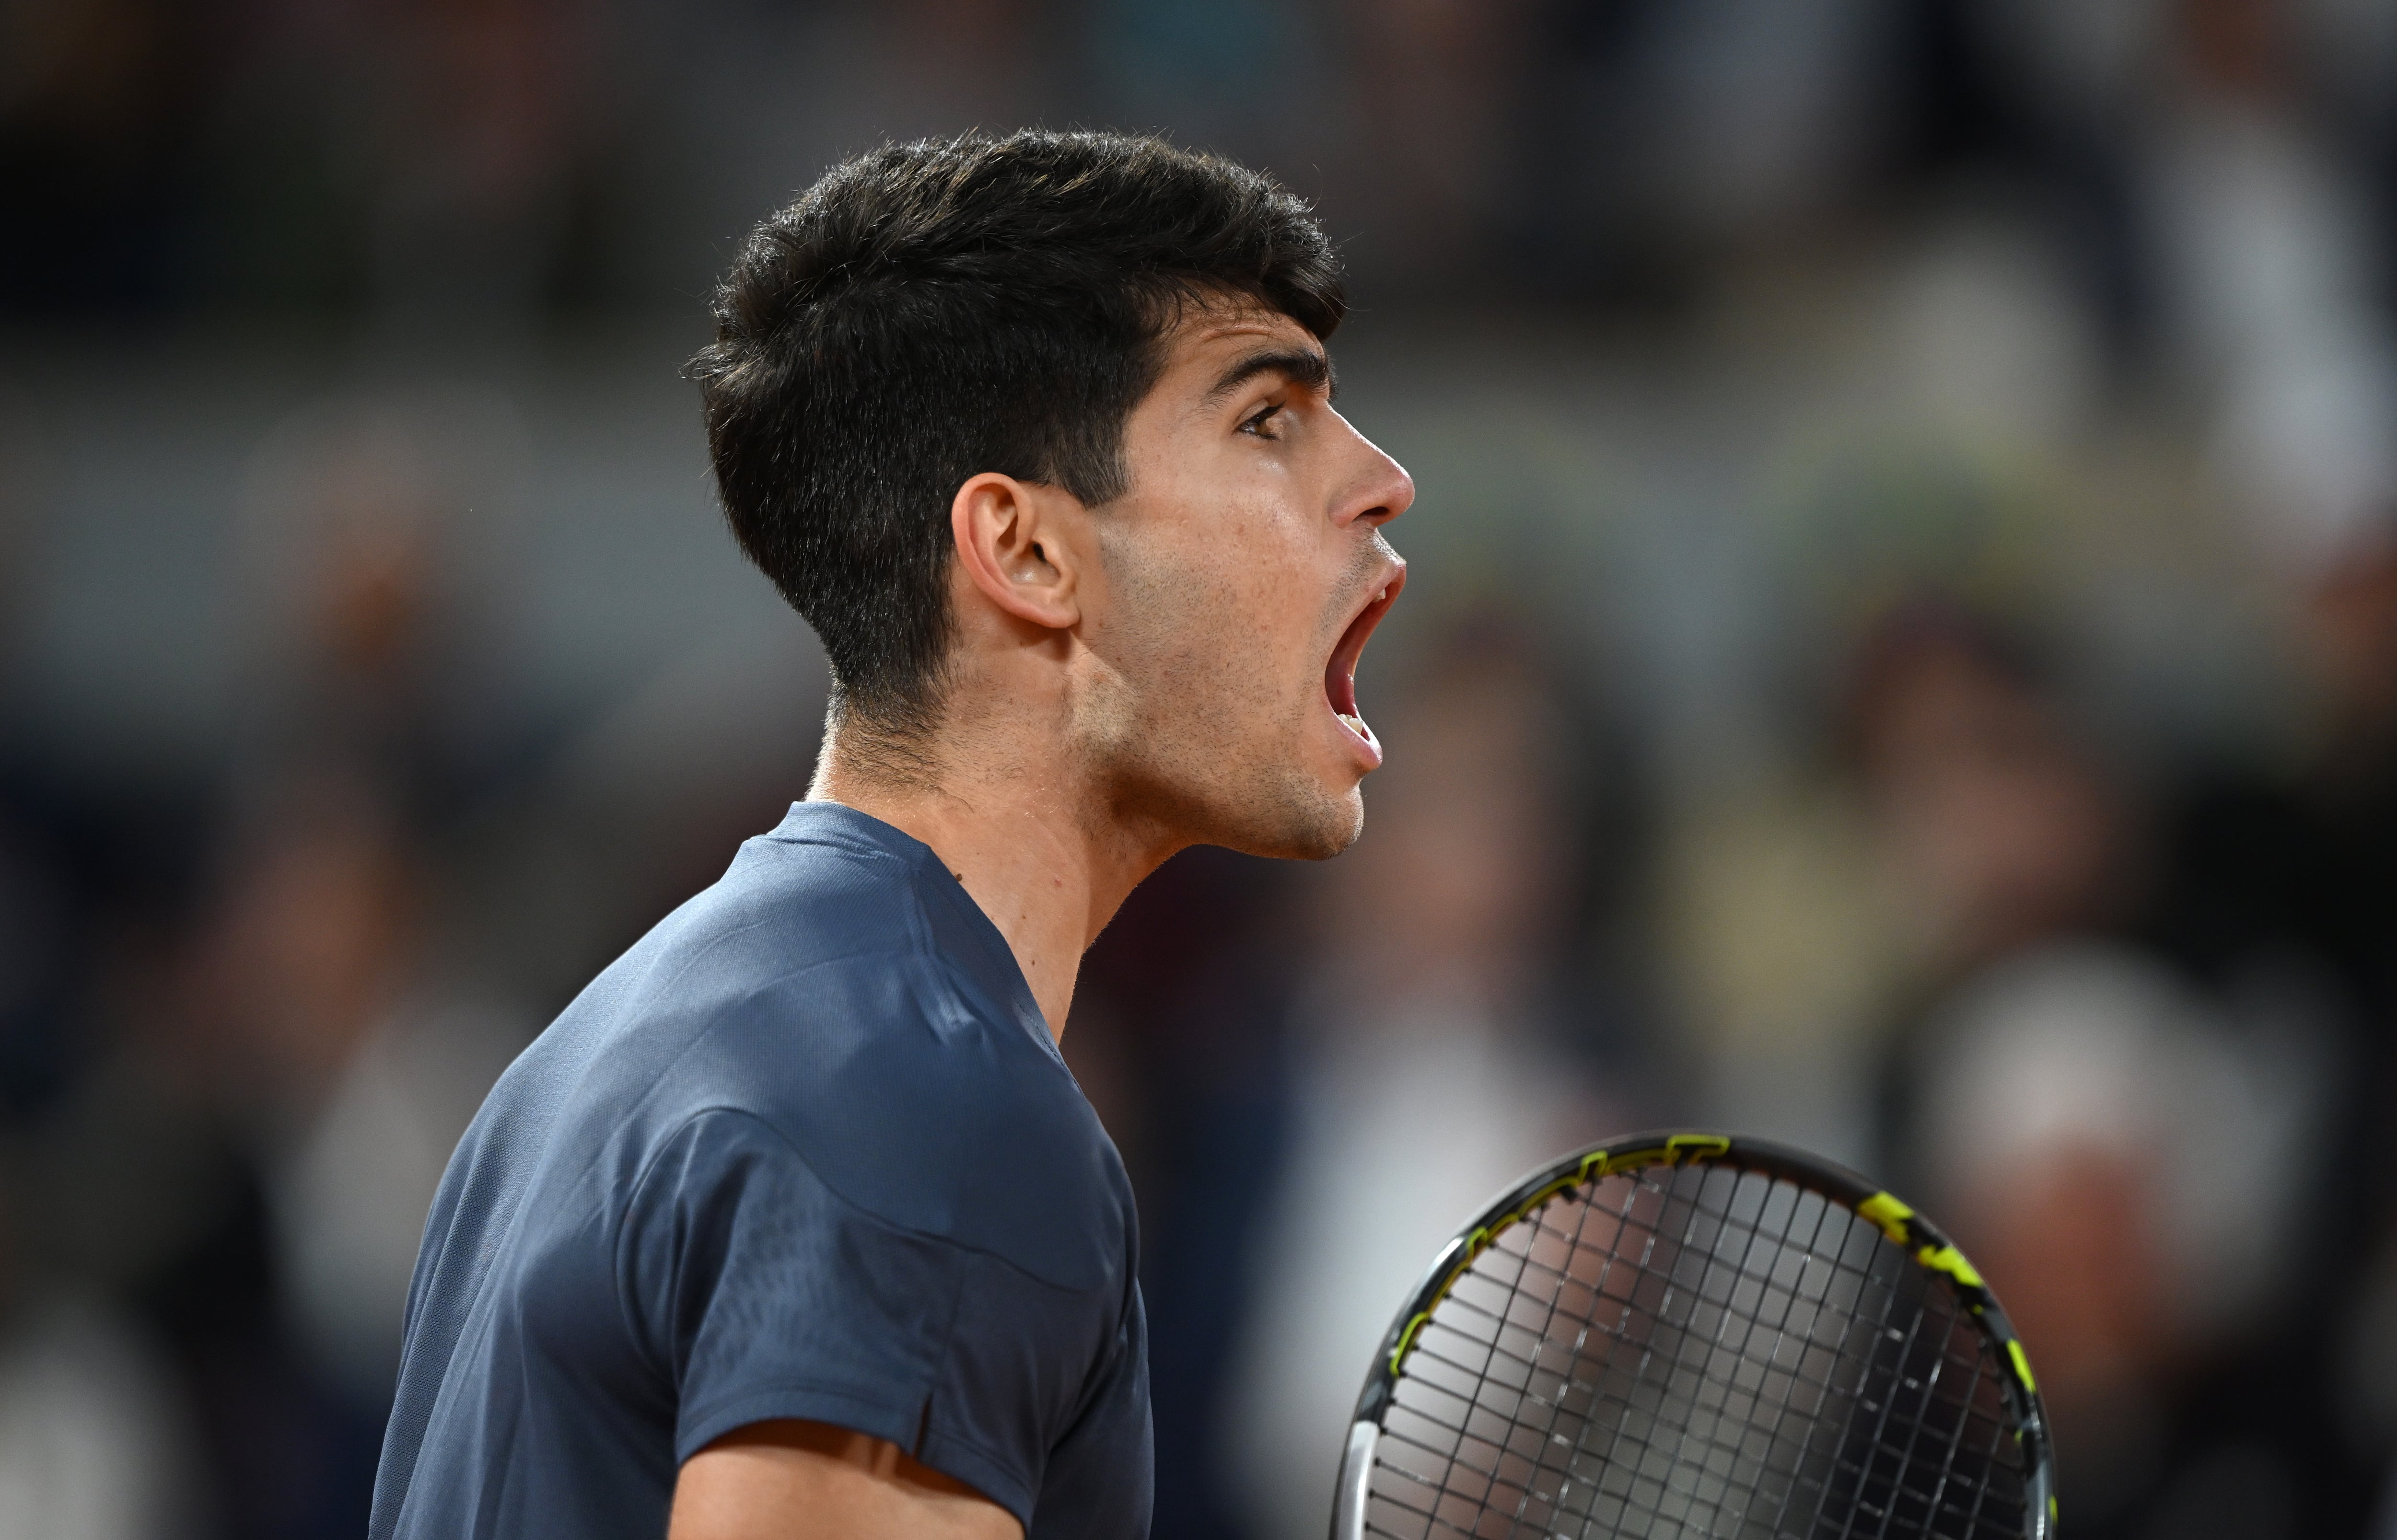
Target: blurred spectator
x,y
2112,1153
95,1439
294,1079
377,530
93,1445
96,107
1437,121
354,1066
1819,889
477,130
1998,830
2276,892
2105,1141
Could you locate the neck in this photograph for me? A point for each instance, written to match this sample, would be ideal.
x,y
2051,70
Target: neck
x,y
1018,832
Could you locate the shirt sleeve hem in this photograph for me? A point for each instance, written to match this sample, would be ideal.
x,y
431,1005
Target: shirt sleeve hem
x,y
950,1456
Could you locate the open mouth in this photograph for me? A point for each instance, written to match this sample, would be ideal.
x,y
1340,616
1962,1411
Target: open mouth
x,y
1340,674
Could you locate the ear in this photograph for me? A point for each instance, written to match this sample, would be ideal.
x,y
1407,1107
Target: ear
x,y
1015,544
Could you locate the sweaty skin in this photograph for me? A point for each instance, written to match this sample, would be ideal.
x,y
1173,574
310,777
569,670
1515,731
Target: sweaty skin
x,y
1169,669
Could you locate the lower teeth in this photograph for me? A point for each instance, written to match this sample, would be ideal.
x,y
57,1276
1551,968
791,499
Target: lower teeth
x,y
1355,724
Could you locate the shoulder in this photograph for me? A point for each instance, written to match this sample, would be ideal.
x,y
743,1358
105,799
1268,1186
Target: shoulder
x,y
908,1094
823,992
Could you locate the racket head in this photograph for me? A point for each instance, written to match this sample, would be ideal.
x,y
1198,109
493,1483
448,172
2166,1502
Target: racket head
x,y
1698,1337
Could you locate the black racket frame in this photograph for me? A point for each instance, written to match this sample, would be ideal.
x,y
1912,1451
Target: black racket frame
x,y
1917,1236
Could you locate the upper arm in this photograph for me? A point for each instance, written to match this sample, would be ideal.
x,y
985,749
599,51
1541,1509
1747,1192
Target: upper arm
x,y
766,1298
762,1297
805,1480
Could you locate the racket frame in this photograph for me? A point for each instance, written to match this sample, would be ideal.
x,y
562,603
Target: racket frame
x,y
1930,1248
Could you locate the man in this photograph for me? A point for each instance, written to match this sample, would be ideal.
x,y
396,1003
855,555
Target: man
x,y
794,1224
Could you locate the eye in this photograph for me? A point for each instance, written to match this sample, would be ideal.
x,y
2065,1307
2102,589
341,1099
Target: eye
x,y
1261,424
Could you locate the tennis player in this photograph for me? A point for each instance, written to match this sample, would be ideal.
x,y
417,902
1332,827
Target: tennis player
x,y
794,1224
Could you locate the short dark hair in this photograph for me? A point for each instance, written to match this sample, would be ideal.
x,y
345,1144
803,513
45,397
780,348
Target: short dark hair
x,y
928,311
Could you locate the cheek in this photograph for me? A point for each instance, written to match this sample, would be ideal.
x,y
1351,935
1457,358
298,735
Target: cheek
x,y
1225,621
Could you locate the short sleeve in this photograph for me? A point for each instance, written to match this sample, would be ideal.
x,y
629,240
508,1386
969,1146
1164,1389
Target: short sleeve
x,y
759,1293
1104,1468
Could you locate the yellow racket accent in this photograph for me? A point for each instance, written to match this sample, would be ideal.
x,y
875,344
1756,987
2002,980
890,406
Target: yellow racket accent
x,y
1948,1260
2022,1364
1890,1213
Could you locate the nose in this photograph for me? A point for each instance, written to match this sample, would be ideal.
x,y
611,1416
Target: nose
x,y
1379,490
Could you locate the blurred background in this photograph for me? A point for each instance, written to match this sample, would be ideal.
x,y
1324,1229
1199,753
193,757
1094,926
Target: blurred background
x,y
1902,656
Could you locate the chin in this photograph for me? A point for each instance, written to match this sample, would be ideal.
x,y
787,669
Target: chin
x,y
1303,824
1279,806
1345,827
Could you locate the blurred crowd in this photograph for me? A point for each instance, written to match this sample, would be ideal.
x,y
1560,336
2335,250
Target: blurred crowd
x,y
1902,658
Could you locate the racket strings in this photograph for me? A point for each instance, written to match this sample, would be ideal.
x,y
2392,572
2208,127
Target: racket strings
x,y
1621,1430
1698,1352
1686,1344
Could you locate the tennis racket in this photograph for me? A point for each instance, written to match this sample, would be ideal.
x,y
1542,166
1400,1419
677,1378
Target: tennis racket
x,y
1688,1336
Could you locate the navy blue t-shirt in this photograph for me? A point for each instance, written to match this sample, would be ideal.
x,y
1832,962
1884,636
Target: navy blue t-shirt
x,y
807,1150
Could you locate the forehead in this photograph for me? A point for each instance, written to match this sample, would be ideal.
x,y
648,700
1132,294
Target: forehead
x,y
1207,339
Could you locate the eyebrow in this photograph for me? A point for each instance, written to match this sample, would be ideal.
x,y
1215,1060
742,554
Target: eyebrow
x,y
1306,368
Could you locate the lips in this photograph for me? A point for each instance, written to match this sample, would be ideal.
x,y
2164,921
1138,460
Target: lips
x,y
1340,673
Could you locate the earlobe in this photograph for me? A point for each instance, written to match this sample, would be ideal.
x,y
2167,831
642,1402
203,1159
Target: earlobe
x,y
1010,545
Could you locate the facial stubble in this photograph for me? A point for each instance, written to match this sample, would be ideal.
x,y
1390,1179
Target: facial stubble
x,y
1190,737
